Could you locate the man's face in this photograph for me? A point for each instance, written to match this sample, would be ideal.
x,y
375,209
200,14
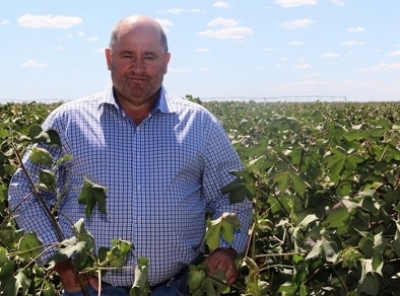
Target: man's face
x,y
137,62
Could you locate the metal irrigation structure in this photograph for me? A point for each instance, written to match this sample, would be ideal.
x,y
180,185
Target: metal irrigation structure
x,y
308,98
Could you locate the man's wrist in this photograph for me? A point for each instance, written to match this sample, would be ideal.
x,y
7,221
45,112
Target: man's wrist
x,y
230,251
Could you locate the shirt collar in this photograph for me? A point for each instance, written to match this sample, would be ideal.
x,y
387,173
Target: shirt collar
x,y
161,105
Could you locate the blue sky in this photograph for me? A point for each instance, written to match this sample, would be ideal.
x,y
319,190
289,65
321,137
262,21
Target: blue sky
x,y
54,50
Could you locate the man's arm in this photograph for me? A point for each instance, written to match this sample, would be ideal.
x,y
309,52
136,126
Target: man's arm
x,y
24,203
220,161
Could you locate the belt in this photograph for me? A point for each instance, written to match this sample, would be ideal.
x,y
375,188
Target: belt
x,y
165,283
168,282
177,276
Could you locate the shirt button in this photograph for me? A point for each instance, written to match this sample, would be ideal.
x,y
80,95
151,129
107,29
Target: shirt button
x,y
139,220
138,186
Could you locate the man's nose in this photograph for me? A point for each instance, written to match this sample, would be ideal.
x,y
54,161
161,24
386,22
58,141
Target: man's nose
x,y
138,64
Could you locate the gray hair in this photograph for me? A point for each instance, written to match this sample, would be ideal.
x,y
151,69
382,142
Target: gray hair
x,y
115,31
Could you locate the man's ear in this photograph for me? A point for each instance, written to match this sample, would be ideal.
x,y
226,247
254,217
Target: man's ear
x,y
107,53
166,61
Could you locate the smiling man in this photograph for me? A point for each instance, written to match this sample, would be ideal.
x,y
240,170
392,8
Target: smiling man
x,y
162,159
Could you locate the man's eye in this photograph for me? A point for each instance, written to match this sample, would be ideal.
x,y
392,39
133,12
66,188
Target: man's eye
x,y
149,57
127,56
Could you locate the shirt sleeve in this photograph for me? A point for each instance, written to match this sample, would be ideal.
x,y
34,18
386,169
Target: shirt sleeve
x,y
220,159
29,213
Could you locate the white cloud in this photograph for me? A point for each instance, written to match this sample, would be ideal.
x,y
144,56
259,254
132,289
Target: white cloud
x,y
175,10
220,21
165,24
221,4
196,10
299,23
356,29
303,66
394,53
294,3
337,2
231,30
301,60
270,49
204,69
5,22
201,50
33,64
49,21
296,43
59,48
329,55
228,33
353,43
283,59
383,67
90,39
81,34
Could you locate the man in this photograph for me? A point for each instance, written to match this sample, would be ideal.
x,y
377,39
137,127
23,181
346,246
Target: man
x,y
162,159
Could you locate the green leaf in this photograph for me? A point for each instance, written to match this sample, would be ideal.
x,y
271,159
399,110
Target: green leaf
x,y
22,283
92,195
119,252
369,284
298,184
3,193
377,132
50,137
48,289
47,178
353,161
282,179
240,188
40,156
29,246
3,256
7,270
67,248
351,257
212,236
288,289
140,284
367,246
222,227
337,218
370,205
196,277
7,234
354,135
303,290
209,289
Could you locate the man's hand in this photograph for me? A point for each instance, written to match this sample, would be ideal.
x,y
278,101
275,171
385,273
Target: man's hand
x,y
223,259
70,281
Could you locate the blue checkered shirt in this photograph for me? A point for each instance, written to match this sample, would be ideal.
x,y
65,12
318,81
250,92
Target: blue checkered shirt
x,y
161,178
